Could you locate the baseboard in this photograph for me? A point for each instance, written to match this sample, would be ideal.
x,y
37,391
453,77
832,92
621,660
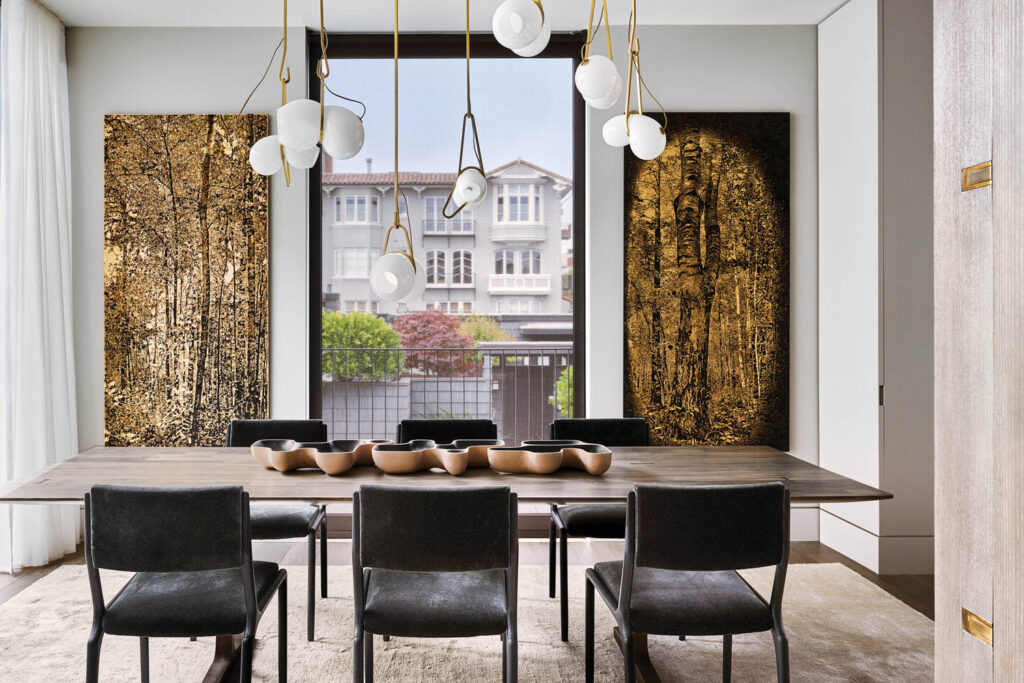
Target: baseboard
x,y
880,554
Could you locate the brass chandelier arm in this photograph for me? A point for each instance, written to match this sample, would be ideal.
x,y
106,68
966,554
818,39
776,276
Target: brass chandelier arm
x,y
590,29
396,224
284,74
641,84
323,69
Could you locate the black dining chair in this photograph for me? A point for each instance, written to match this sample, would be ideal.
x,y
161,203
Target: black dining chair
x,y
592,520
434,563
678,574
275,522
191,553
445,431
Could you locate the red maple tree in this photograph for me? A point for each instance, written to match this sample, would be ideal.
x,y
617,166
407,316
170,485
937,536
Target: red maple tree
x,y
427,334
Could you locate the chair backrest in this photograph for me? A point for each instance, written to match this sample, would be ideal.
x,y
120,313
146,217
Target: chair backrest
x,y
247,432
625,431
167,529
710,528
433,529
445,431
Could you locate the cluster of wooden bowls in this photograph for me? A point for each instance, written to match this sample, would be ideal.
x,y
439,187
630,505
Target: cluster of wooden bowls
x,y
339,456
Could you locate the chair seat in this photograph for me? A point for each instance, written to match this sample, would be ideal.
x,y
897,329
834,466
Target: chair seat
x,y
436,604
282,521
668,602
179,605
593,521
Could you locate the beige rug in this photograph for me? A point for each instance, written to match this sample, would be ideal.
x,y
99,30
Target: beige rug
x,y
841,628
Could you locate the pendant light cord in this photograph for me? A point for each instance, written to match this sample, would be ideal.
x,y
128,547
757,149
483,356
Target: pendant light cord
x,y
641,84
590,29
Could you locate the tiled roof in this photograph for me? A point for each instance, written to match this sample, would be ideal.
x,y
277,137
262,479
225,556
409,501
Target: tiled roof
x,y
405,178
416,178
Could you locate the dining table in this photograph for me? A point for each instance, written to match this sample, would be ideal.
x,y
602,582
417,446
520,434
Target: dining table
x,y
67,482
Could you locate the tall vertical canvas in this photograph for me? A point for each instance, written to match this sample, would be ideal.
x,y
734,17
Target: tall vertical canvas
x,y
185,278
707,282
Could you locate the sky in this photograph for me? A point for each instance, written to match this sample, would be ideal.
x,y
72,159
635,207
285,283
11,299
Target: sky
x,y
522,107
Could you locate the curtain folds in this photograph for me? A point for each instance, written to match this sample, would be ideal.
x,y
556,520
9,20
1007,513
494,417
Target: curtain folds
x,y
38,422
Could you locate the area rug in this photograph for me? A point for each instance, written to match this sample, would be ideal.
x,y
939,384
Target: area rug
x,y
841,628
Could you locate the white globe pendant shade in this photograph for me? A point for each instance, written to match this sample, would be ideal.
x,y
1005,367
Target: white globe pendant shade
x,y
343,133
517,23
538,45
302,158
470,187
392,276
596,77
614,131
418,285
265,155
646,138
298,124
608,101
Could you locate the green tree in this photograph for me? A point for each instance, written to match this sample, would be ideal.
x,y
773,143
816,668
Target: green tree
x,y
562,400
345,336
484,328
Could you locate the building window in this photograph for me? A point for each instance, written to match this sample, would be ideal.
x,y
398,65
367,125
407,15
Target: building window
x,y
357,262
435,223
515,306
361,307
530,262
339,268
462,267
504,262
358,209
451,307
519,200
436,267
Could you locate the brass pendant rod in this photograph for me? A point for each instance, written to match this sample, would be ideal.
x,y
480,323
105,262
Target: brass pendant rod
x,y
397,219
284,74
603,16
323,69
467,118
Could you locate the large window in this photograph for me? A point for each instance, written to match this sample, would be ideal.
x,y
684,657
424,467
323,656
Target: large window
x,y
506,258
462,267
436,265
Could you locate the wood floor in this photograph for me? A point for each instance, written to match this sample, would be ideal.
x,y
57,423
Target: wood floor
x,y
916,590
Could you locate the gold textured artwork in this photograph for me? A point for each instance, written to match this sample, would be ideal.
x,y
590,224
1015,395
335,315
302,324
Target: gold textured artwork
x,y
185,278
707,282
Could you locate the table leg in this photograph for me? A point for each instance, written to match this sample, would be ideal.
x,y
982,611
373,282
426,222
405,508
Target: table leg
x,y
645,671
224,667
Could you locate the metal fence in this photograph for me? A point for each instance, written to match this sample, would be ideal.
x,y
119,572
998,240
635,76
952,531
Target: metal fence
x,y
521,386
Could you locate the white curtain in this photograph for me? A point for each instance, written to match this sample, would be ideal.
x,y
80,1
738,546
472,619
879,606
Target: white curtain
x,y
38,422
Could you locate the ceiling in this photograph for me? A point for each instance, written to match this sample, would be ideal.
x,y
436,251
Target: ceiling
x,y
427,15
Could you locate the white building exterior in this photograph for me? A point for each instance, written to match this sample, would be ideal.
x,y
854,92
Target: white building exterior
x,y
504,259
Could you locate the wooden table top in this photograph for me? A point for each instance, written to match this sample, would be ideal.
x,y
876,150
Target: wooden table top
x,y
67,482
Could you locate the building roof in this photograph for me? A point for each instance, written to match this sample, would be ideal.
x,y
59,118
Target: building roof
x,y
417,178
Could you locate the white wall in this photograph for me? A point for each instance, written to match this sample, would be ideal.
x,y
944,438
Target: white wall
x,y
875,266
180,71
712,69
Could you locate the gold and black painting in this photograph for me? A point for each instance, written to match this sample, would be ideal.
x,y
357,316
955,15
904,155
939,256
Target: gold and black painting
x,y
707,282
185,278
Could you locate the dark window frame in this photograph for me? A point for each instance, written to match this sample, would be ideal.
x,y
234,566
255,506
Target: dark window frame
x,y
448,46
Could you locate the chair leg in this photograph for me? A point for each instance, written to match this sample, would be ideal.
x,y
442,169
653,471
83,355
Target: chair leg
x,y
588,634
552,543
357,658
726,658
512,654
504,660
323,558
311,585
92,656
563,570
628,659
144,659
245,663
282,632
781,653
368,658
386,638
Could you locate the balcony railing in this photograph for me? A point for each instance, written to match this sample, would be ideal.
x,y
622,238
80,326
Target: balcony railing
x,y
521,386
519,284
444,226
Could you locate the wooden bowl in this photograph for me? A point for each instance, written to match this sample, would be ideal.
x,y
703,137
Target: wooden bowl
x,y
545,457
476,448
338,456
401,458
